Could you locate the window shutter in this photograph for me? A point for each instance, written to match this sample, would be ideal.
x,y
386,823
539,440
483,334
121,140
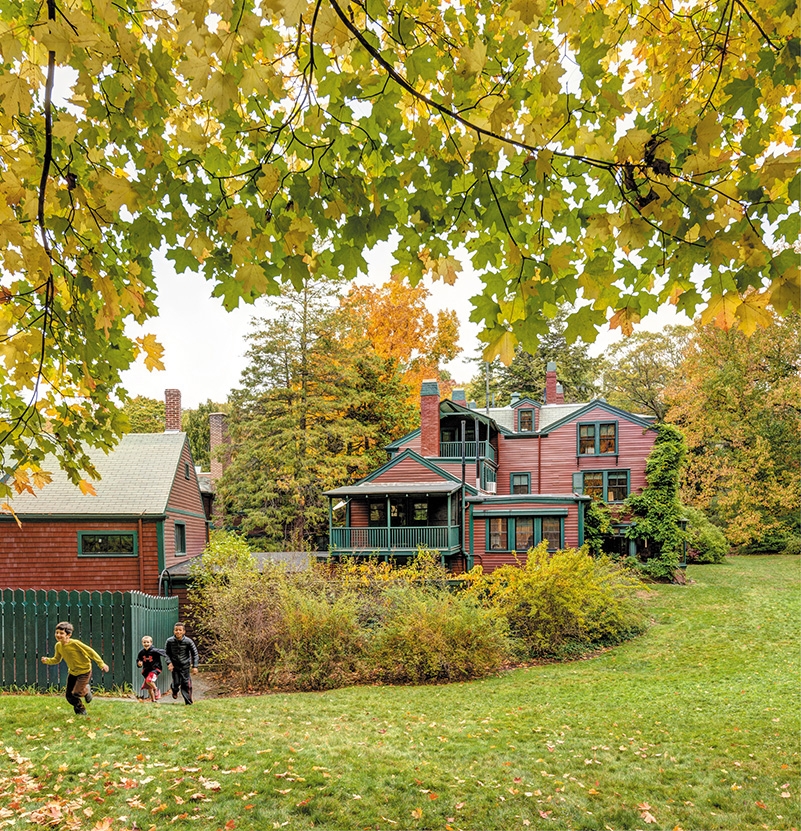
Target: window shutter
x,y
578,482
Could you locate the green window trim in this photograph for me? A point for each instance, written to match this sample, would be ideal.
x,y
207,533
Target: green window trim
x,y
509,537
612,483
519,479
598,435
525,425
180,539
90,543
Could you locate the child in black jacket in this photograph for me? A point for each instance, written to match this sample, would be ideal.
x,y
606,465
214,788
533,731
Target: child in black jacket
x,y
150,661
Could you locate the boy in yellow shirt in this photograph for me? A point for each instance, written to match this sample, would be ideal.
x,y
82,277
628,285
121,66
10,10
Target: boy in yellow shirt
x,y
78,657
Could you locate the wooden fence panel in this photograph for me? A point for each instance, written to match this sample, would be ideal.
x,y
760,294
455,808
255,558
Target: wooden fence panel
x,y
112,623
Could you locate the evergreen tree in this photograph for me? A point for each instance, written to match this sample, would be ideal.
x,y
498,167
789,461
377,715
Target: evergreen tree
x,y
577,371
314,408
195,423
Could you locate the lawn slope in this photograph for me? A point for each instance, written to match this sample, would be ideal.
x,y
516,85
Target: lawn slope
x,y
694,725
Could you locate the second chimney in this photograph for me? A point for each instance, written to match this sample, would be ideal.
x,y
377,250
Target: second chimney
x,y
172,411
553,389
429,418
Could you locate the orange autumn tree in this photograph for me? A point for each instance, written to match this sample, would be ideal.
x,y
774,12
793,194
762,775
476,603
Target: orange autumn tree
x,y
404,331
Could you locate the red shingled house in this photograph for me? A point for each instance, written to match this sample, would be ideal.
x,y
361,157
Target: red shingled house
x,y
484,486
147,516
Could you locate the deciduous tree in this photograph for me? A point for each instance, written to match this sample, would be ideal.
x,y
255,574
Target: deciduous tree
x,y
401,329
616,156
736,399
638,369
314,408
145,415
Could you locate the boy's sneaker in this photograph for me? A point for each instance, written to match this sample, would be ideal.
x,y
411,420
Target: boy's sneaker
x,y
81,712
175,695
88,697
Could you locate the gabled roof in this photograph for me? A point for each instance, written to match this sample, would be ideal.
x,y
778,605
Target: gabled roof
x,y
367,486
136,480
558,415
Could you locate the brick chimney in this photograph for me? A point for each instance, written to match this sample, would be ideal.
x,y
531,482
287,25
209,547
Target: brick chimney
x,y
218,438
553,389
172,411
429,418
458,397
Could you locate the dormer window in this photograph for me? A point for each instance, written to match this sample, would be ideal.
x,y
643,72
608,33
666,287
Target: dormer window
x,y
525,421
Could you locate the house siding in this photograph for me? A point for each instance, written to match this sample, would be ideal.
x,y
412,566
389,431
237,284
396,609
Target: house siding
x,y
490,560
43,554
518,456
560,459
409,470
185,506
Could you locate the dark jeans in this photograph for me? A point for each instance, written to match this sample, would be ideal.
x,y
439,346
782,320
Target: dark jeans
x,y
77,688
182,680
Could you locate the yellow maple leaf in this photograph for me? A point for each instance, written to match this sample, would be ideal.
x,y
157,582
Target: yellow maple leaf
x,y
41,478
721,310
252,278
9,510
87,488
753,314
624,319
502,347
153,350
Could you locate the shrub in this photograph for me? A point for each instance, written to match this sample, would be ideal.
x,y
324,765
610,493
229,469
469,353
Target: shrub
x,y
433,635
706,543
320,641
566,602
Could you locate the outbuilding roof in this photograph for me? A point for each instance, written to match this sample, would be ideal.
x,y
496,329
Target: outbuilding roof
x,y
136,480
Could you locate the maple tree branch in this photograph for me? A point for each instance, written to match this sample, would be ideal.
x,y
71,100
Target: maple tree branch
x,y
447,112
756,23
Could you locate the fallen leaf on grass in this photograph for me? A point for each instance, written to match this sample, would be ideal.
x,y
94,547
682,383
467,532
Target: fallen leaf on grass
x,y
760,804
417,813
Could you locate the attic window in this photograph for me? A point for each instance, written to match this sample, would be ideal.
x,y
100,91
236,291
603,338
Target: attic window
x,y
526,421
187,474
107,544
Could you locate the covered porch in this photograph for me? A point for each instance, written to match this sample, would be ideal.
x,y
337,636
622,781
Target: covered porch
x,y
396,519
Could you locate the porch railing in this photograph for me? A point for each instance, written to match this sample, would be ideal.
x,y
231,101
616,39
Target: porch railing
x,y
453,450
438,538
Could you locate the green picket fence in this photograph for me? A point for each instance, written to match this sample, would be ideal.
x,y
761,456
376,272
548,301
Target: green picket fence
x,y
112,623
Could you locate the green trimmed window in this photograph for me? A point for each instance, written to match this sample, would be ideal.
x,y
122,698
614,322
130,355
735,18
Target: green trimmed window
x,y
107,544
597,439
605,485
180,538
525,421
520,533
520,483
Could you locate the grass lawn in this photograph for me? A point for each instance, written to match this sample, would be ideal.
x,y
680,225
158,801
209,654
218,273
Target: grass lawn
x,y
694,725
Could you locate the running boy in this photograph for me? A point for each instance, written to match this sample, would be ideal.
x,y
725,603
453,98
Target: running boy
x,y
182,656
78,657
150,661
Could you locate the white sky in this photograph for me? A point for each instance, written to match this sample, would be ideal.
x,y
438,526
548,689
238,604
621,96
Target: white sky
x,y
204,346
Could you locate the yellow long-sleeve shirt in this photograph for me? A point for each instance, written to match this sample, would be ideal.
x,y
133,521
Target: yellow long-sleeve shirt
x,y
78,657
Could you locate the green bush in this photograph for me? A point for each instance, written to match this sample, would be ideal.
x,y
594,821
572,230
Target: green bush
x,y
320,643
706,543
565,602
431,635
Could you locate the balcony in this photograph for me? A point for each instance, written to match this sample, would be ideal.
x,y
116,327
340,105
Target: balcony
x,y
442,538
453,450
